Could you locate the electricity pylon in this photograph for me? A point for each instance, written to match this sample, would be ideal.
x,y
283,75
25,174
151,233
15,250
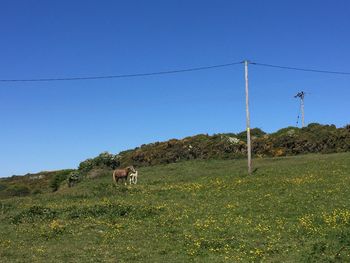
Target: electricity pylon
x,y
301,95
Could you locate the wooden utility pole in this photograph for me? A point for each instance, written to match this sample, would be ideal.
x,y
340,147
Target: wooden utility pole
x,y
249,150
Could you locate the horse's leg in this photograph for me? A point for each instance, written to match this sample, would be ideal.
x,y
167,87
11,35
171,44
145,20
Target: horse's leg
x,y
115,179
135,179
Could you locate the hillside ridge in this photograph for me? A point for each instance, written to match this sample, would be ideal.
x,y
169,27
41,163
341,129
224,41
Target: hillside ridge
x,y
315,138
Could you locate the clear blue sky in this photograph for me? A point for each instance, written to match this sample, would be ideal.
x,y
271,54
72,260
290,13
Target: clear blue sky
x,y
54,125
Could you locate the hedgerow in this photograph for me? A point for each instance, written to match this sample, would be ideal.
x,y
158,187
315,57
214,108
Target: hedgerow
x,y
315,138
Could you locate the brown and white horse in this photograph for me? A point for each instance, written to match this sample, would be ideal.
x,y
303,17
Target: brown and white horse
x,y
133,177
122,174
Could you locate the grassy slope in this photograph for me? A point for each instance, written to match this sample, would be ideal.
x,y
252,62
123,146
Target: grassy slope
x,y
293,209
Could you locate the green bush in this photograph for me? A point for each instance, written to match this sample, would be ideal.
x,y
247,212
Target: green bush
x,y
74,178
17,190
57,180
2,187
104,160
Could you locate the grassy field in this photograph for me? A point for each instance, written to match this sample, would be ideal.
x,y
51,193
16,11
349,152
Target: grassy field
x,y
293,209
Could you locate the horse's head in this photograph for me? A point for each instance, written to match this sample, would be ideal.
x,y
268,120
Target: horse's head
x,y
131,169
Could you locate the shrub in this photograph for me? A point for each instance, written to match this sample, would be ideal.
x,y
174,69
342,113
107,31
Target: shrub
x,y
105,159
74,178
57,180
2,187
17,190
255,132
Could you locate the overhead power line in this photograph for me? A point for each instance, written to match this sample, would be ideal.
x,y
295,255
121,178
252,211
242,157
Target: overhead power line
x,y
124,75
301,69
172,72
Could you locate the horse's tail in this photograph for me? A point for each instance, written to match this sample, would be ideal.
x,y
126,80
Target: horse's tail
x,y
114,180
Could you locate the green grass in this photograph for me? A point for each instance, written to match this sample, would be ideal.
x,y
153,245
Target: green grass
x,y
293,209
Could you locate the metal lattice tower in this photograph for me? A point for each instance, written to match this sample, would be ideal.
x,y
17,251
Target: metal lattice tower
x,y
301,95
